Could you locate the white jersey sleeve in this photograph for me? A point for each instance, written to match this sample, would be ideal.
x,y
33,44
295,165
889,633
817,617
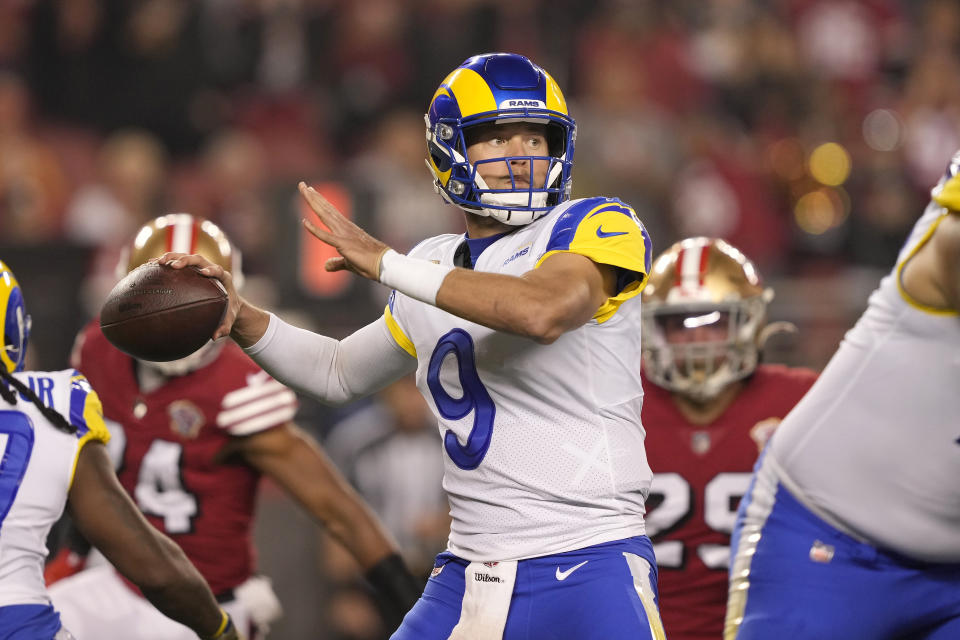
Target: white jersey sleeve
x,y
333,371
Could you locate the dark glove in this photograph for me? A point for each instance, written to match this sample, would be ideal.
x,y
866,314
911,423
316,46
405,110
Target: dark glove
x,y
397,589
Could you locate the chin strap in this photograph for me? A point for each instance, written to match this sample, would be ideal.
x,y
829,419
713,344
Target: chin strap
x,y
500,202
518,217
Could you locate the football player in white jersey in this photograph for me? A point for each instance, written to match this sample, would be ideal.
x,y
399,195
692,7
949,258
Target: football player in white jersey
x,y
851,528
52,437
524,334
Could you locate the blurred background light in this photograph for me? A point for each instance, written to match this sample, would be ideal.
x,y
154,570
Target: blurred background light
x,y
883,130
786,158
830,164
822,210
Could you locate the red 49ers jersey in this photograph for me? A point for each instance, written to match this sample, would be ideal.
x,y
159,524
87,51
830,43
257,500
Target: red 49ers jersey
x,y
700,474
167,443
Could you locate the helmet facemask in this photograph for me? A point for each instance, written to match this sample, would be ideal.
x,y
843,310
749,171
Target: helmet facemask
x,y
703,313
698,350
502,204
512,90
517,204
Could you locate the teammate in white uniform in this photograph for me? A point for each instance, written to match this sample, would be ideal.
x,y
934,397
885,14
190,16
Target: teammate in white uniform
x,y
51,438
524,334
852,527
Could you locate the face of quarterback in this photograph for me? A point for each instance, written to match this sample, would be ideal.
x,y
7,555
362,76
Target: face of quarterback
x,y
492,141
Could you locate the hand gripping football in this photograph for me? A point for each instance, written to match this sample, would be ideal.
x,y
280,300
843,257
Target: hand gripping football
x,y
159,313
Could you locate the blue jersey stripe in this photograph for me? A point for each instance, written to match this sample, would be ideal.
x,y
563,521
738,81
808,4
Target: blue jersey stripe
x,y
647,251
79,390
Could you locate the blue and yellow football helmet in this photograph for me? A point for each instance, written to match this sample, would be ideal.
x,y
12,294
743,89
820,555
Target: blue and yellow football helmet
x,y
16,321
498,88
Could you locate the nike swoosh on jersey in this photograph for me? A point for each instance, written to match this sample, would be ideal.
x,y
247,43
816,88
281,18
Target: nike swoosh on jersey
x,y
563,575
609,234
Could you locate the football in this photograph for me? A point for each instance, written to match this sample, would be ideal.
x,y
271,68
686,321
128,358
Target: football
x,y
159,313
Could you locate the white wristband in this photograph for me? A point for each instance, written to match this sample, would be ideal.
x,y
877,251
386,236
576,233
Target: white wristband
x,y
416,278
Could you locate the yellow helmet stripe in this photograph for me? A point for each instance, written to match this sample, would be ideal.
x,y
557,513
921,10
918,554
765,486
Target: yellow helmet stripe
x,y
471,92
555,99
7,284
442,176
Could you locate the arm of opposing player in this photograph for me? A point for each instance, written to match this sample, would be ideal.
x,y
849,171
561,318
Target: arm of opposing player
x,y
334,371
297,464
295,461
107,517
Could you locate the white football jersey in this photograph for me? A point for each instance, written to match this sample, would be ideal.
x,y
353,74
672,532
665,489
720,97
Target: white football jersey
x,y
38,464
543,445
874,447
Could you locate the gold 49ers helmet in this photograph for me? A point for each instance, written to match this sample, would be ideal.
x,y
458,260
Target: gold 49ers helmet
x,y
704,309
182,233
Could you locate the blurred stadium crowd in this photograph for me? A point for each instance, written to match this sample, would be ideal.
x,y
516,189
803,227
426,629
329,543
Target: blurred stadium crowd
x,y
806,132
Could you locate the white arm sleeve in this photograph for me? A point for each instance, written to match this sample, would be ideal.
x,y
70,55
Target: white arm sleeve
x,y
333,371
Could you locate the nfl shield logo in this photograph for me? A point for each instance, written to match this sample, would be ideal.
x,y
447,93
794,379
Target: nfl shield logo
x,y
185,418
700,442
